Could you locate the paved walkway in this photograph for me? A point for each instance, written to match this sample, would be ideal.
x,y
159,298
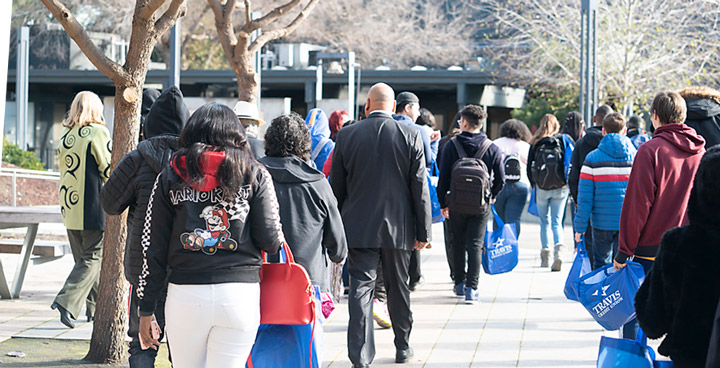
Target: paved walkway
x,y
523,319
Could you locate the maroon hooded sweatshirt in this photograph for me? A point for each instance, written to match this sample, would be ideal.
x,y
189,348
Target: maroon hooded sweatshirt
x,y
659,188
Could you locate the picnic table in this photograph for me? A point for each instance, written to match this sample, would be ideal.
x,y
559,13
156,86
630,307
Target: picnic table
x,y
30,217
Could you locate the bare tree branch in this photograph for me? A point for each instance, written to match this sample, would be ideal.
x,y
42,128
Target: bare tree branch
x,y
194,27
176,10
223,23
430,33
643,46
76,31
268,36
248,12
147,11
272,16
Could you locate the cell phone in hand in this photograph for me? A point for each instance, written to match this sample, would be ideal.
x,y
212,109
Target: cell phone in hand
x,y
155,332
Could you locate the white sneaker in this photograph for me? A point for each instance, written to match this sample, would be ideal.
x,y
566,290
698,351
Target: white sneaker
x,y
380,314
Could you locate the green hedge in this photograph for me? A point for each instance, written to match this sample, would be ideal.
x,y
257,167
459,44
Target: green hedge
x,y
12,154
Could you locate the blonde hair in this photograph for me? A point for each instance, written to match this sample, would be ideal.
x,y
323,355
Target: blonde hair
x,y
549,126
86,109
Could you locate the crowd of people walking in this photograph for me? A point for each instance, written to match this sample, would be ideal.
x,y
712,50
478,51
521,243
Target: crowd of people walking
x,y
211,201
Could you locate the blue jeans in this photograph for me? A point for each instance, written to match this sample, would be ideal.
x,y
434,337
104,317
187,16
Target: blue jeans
x,y
630,329
140,358
605,245
510,203
551,208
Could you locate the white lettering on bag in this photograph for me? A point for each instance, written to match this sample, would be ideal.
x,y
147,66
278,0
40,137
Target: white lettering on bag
x,y
607,303
500,249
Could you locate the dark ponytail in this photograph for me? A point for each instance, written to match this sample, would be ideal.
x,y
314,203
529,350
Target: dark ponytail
x,y
214,127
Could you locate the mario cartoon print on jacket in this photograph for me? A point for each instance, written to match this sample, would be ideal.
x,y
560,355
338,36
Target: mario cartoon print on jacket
x,y
215,236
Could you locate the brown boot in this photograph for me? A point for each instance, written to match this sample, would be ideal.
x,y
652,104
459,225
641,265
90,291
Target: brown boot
x,y
544,257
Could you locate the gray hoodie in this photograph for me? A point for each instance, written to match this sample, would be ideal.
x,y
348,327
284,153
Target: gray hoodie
x,y
309,215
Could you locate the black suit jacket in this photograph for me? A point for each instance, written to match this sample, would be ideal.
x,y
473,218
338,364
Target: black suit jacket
x,y
379,179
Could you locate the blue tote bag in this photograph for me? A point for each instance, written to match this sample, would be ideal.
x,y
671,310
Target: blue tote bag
x,y
289,346
432,179
501,248
609,295
569,148
624,353
580,267
532,205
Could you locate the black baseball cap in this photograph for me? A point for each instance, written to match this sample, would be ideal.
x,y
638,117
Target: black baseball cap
x,y
406,98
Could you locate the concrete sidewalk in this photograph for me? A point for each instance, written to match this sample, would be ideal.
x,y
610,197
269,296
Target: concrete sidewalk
x,y
523,319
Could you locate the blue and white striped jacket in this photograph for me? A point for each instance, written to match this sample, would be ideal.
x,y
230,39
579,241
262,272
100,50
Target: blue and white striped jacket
x,y
603,182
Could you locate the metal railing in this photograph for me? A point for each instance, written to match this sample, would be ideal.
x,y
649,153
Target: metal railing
x,y
14,174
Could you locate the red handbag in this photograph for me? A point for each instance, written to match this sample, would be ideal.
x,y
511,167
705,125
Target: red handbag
x,y
286,293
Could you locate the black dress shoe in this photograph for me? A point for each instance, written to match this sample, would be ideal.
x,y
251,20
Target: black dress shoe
x,y
65,316
402,356
361,365
416,284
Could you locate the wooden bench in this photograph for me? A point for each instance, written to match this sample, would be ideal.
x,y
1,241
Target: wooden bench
x,y
30,217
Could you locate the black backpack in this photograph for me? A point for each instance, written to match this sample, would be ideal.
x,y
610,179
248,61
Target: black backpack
x,y
470,181
512,168
548,166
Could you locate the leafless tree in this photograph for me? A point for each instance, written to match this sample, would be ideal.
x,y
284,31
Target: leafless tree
x,y
399,33
148,25
643,46
237,43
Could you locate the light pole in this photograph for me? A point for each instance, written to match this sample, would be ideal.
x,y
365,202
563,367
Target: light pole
x,y
588,60
175,46
6,10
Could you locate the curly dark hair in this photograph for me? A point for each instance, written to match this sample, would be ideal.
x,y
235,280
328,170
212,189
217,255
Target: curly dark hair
x,y
287,136
515,129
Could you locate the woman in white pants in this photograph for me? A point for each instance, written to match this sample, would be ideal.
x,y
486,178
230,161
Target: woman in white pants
x,y
210,214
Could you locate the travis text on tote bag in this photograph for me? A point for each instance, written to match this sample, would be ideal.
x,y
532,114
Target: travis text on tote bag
x,y
501,248
609,295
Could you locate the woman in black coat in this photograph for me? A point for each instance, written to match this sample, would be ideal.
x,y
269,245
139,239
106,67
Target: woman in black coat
x,y
308,209
680,294
130,185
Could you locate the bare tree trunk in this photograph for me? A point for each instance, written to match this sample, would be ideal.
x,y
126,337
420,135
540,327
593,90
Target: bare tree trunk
x,y
247,79
108,337
107,344
238,47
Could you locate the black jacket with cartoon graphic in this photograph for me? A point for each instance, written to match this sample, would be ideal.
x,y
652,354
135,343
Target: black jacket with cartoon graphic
x,y
191,232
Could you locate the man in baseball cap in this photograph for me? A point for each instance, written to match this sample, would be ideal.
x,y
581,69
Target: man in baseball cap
x,y
247,113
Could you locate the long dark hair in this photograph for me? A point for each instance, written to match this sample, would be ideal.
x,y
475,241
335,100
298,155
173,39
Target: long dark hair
x,y
573,125
214,127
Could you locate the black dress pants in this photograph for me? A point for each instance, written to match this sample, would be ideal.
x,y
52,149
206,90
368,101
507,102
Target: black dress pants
x,y
363,266
415,270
